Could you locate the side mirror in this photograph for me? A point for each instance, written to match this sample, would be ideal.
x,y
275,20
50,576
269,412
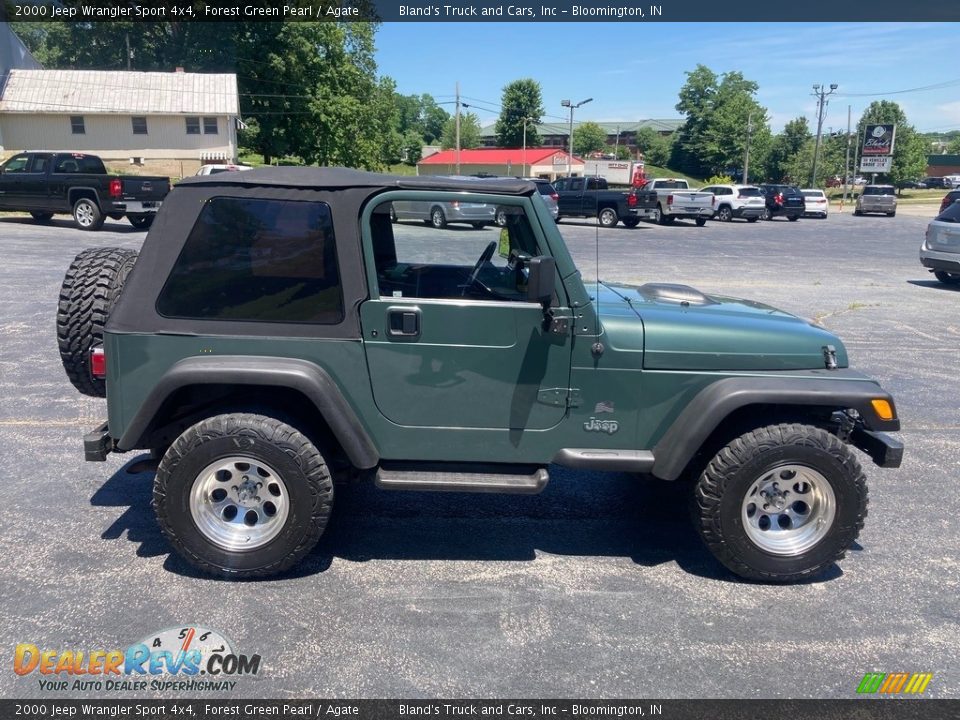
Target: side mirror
x,y
541,280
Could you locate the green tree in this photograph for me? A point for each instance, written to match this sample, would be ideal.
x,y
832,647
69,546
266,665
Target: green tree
x,y
654,146
953,147
785,147
910,149
588,137
713,137
521,99
469,132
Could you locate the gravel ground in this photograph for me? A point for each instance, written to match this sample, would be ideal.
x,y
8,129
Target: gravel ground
x,y
595,588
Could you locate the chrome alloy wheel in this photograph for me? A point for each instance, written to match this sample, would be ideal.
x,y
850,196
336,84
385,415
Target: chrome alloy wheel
x,y
83,214
788,510
239,503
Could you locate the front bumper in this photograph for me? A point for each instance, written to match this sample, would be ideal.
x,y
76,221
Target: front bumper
x,y
97,444
885,451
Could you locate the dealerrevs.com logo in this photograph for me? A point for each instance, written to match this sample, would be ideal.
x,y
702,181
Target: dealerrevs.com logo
x,y
177,659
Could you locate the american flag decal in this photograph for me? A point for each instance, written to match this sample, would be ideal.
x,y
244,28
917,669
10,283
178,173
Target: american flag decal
x,y
603,407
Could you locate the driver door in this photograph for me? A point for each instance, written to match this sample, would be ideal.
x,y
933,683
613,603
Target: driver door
x,y
450,340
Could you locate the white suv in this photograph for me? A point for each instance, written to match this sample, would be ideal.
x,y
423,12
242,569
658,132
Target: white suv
x,y
736,201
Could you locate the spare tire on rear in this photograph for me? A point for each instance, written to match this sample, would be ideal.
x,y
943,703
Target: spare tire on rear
x,y
90,290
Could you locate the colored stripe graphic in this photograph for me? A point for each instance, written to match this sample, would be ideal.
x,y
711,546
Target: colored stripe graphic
x,y
871,682
894,683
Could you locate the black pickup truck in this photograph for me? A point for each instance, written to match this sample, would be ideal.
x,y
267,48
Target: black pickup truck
x,y
590,197
49,183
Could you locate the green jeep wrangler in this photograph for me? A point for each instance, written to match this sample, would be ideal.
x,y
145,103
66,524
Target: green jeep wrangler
x,y
280,330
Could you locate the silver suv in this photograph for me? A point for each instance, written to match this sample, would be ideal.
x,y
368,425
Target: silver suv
x,y
877,199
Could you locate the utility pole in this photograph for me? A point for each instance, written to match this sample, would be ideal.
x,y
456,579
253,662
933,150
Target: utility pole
x,y
846,162
746,154
616,147
129,54
458,127
821,93
572,106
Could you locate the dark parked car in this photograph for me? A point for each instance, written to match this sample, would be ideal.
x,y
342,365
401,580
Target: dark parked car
x,y
948,199
911,185
937,182
783,201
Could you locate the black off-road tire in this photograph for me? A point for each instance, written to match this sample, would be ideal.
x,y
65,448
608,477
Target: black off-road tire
x,y
264,439
90,290
41,217
723,486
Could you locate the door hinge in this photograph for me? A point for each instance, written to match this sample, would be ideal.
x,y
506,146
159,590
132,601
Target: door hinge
x,y
560,397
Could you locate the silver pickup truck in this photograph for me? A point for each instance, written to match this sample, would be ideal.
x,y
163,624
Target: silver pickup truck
x,y
675,200
877,199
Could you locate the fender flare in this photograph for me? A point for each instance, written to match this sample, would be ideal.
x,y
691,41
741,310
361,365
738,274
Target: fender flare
x,y
704,413
73,192
303,376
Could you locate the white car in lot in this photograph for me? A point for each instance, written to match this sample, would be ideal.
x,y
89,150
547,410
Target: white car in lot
x,y
736,201
940,252
816,202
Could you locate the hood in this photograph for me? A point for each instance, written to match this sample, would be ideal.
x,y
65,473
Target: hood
x,y
684,329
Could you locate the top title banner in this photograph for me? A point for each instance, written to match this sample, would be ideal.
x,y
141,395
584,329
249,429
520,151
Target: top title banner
x,y
634,11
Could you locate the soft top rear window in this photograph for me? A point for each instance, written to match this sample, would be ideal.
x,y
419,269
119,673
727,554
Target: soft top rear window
x,y
257,260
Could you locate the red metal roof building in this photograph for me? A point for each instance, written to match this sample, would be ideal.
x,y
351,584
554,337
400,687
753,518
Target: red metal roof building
x,y
549,163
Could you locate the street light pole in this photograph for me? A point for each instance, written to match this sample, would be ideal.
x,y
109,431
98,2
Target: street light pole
x,y
821,93
525,121
572,106
746,154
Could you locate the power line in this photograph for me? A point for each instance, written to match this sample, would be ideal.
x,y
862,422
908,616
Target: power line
x,y
922,88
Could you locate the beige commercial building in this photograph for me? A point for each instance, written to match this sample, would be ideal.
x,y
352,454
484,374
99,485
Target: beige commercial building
x,y
154,122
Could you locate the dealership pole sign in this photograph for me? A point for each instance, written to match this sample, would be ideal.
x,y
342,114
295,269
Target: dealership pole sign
x,y
876,155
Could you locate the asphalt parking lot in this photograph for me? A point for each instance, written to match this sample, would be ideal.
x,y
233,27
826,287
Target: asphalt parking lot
x,y
598,587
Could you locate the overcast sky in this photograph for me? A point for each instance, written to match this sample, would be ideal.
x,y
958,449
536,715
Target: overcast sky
x,y
633,71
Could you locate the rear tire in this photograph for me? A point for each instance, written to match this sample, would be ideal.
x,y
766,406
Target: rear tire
x,y
793,218
41,217
89,292
478,225
766,214
893,214
947,278
781,503
242,496
607,217
87,215
752,219
631,222
700,222
437,218
141,221
724,214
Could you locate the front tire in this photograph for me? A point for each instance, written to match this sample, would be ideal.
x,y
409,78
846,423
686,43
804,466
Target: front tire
x,y
781,503
41,217
766,214
607,217
793,218
724,214
947,278
752,219
700,221
242,496
87,215
437,218
631,222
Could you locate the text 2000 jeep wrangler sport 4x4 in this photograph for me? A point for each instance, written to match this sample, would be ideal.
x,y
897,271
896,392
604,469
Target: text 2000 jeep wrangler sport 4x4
x,y
278,331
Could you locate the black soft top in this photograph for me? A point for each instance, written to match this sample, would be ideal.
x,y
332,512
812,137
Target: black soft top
x,y
335,178
345,191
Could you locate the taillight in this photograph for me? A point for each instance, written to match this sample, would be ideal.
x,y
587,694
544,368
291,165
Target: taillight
x,y
631,200
944,203
669,199
555,196
778,198
116,188
98,363
740,196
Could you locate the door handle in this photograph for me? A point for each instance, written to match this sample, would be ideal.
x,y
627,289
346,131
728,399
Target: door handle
x,y
403,322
